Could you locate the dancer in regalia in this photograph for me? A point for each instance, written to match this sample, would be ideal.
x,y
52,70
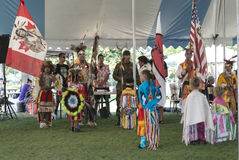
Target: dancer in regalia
x,y
185,73
197,118
223,120
46,103
73,101
228,81
128,106
149,95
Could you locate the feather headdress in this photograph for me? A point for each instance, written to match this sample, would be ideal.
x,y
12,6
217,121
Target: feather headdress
x,y
229,62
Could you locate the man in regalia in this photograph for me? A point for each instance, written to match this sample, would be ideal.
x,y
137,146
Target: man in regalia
x,y
228,81
185,73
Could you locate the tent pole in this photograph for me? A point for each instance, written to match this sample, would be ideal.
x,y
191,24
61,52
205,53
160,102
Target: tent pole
x,y
214,41
238,70
215,78
134,43
224,27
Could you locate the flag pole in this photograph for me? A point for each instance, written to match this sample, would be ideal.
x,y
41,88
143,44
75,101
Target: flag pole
x,y
215,78
134,43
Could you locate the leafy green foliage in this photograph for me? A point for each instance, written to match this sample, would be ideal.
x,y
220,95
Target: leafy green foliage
x,y
232,47
170,50
172,76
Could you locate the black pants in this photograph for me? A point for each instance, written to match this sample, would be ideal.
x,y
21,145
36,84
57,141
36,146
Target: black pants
x,y
90,114
58,100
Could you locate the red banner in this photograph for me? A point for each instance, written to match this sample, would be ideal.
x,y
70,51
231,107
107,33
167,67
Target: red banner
x,y
27,49
158,67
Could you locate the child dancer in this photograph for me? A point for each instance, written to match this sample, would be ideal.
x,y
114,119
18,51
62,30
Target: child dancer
x,y
224,123
46,101
197,119
73,100
149,95
128,106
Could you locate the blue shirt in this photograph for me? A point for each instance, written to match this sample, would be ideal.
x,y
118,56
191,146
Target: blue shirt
x,y
25,88
144,92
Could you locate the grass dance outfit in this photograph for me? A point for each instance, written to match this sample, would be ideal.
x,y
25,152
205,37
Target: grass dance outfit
x,y
128,108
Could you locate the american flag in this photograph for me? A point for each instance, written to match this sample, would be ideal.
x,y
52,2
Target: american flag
x,y
196,42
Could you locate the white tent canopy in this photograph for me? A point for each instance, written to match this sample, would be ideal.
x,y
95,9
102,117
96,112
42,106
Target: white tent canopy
x,y
66,22
67,25
220,11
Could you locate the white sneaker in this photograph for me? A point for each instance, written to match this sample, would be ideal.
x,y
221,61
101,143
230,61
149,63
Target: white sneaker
x,y
53,116
43,125
89,123
95,124
81,124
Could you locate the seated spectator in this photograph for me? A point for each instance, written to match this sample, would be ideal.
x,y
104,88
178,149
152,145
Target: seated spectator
x,y
210,88
25,96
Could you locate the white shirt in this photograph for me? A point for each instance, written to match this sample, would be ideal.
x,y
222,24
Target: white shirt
x,y
146,66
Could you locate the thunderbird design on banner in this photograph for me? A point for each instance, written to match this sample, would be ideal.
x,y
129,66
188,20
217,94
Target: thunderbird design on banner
x,y
27,49
158,67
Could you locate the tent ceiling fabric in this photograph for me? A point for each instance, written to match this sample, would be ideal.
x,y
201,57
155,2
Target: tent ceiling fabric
x,y
68,21
213,22
65,22
114,17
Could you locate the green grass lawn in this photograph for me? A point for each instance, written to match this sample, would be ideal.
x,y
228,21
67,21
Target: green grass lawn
x,y
23,140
